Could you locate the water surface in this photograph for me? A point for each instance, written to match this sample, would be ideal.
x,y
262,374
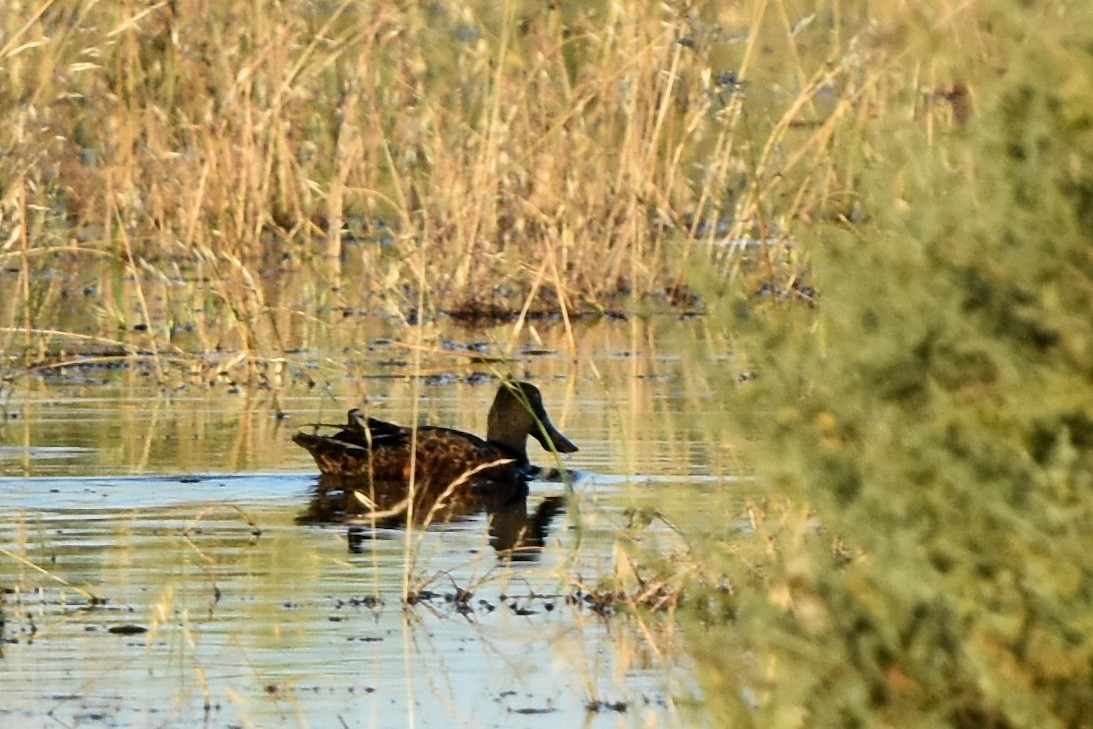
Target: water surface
x,y
157,572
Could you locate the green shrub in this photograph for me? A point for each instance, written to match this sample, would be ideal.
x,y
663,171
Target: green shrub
x,y
937,415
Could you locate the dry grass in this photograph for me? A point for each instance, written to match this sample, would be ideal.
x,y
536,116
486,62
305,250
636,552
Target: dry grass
x,y
459,157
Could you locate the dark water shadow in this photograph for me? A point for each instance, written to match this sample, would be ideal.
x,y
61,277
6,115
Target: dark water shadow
x,y
371,511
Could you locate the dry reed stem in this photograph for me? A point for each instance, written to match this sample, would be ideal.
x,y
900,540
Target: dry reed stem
x,y
403,505
192,526
91,597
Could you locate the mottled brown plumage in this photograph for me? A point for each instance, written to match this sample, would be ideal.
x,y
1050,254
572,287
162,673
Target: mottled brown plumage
x,y
375,456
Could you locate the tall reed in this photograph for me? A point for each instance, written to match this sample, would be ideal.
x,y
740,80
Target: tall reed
x,y
562,157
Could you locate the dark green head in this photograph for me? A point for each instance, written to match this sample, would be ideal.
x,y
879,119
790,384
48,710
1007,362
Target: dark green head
x,y
518,412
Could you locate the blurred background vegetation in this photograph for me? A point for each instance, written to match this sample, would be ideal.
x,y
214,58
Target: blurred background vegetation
x,y
923,558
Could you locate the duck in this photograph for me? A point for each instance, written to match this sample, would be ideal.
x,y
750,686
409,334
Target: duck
x,y
377,460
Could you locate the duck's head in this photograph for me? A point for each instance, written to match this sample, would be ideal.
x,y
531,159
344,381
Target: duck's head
x,y
518,412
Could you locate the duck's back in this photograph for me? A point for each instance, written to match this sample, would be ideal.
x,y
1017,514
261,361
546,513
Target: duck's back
x,y
382,454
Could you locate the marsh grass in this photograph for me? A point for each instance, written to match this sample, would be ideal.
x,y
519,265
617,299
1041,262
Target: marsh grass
x,y
480,160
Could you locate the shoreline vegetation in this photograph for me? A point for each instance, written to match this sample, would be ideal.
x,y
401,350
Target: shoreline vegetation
x,y
919,555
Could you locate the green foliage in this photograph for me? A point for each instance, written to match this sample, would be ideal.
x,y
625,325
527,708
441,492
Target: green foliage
x,y
937,415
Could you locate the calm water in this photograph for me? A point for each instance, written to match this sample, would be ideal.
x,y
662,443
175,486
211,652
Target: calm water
x,y
180,509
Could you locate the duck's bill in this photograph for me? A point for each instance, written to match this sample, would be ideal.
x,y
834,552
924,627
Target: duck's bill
x,y
553,440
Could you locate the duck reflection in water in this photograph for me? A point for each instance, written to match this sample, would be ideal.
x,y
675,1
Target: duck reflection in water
x,y
368,466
